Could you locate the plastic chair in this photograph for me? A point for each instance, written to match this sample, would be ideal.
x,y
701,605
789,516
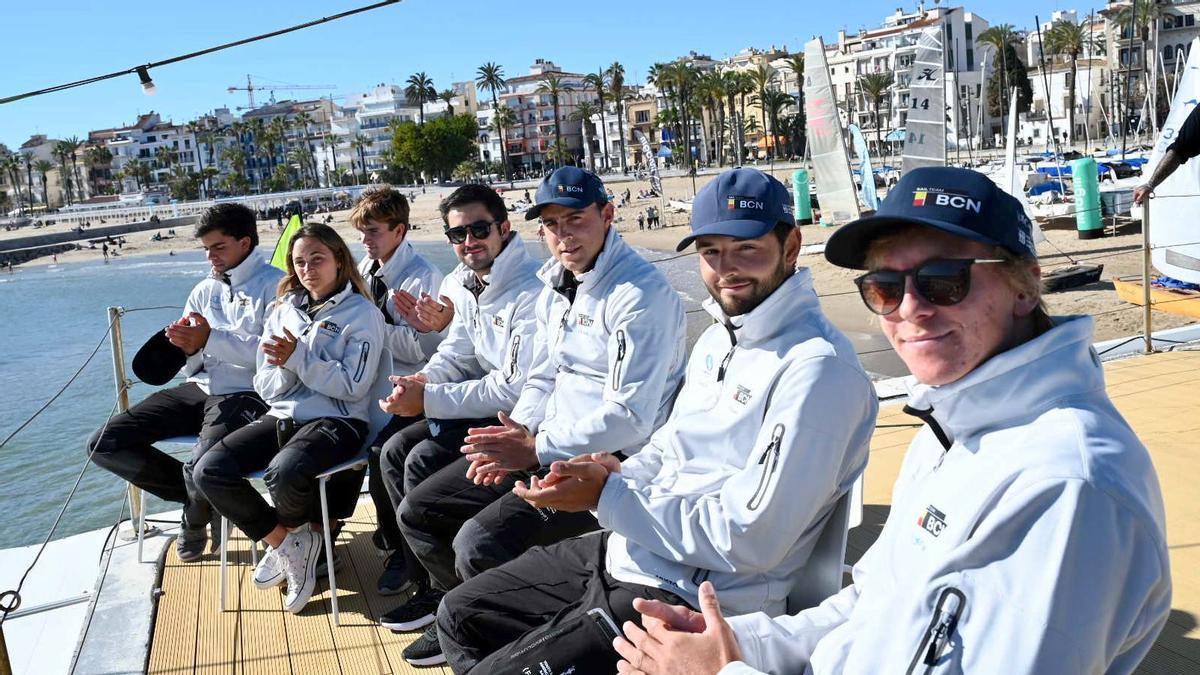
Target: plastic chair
x,y
358,462
821,576
140,517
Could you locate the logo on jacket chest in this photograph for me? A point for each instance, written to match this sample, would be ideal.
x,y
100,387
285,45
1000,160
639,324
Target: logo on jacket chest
x,y
932,521
584,320
741,394
330,327
498,321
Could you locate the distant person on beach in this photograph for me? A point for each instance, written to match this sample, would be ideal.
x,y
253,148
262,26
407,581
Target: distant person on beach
x,y
478,370
608,360
320,352
104,250
1026,532
218,333
770,430
402,284
1185,147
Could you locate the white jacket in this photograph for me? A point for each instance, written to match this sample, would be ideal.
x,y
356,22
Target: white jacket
x,y
336,359
409,271
607,367
480,367
1045,514
235,314
771,427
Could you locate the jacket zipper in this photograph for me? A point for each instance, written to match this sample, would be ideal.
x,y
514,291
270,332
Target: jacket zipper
x,y
729,356
770,463
512,359
620,357
940,632
700,576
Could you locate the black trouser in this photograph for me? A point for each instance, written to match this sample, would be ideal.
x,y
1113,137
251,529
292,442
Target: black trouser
x,y
458,529
291,471
385,513
555,606
124,445
413,455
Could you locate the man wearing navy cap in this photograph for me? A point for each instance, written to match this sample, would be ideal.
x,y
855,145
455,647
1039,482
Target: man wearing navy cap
x,y
1026,531
770,429
608,359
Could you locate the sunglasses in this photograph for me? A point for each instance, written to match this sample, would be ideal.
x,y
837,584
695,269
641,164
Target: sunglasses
x,y
943,282
481,229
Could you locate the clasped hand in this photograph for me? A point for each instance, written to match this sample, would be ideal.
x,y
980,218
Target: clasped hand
x,y
408,395
425,315
189,333
571,486
279,348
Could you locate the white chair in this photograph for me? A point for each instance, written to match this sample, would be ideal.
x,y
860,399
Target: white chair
x,y
139,518
821,576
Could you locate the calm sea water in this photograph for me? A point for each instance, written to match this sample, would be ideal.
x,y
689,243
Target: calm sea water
x,y
51,318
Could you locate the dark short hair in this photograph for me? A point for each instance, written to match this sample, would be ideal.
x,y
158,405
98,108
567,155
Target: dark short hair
x,y
474,193
232,220
782,231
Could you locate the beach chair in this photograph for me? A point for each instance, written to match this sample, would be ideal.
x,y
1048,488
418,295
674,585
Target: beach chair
x,y
821,576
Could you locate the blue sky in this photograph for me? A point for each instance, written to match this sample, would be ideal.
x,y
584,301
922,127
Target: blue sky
x,y
55,41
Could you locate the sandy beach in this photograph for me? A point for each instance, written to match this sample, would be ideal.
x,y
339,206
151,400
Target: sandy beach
x,y
1120,254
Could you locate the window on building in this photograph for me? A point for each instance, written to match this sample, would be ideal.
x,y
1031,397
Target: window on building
x,y
967,31
642,117
970,57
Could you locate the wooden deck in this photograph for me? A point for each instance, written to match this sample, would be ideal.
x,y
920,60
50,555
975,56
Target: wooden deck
x,y
1159,395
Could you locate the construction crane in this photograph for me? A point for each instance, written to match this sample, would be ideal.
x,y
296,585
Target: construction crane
x,y
250,88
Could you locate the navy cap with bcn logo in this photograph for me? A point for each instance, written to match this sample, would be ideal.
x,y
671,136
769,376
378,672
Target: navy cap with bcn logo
x,y
957,201
571,187
739,203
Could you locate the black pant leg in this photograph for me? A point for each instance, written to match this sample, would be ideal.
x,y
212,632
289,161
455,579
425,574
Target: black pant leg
x,y
507,528
291,476
492,610
219,474
223,414
577,639
380,474
431,515
124,447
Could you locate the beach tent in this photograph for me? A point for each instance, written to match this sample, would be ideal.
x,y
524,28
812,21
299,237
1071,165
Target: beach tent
x,y
664,151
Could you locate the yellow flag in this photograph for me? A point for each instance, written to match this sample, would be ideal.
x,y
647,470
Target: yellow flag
x,y
279,259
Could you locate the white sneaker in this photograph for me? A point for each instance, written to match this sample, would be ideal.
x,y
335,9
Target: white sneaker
x,y
298,558
268,573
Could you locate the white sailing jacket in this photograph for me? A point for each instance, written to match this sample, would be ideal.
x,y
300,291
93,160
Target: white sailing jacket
x,y
606,367
409,271
336,359
771,427
235,312
480,367
1040,531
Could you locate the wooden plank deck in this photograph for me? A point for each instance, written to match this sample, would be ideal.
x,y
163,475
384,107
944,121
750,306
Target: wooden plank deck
x,y
1159,396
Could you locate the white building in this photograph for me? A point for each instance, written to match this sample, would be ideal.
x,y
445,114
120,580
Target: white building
x,y
141,143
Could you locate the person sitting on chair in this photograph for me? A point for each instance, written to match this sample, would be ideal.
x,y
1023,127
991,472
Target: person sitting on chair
x,y
215,342
318,361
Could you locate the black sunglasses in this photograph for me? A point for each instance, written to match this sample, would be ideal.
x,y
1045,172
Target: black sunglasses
x,y
480,229
943,282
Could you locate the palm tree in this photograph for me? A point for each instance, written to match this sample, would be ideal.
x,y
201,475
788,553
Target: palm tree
x,y
44,167
876,86
503,120
1001,37
73,143
584,112
93,158
280,126
552,83
259,137
420,90
745,88
712,88
775,102
1068,39
795,63
616,85
763,76
235,156
599,82
361,143
303,120
12,165
1146,14
490,76
447,96
62,153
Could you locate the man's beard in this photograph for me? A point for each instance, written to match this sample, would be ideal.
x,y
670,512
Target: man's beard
x,y
761,290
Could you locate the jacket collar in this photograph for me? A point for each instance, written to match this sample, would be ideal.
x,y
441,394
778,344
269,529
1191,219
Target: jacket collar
x,y
794,295
552,272
250,265
505,267
1013,384
297,297
399,261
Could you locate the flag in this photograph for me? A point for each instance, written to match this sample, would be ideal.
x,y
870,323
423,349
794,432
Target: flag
x,y
279,258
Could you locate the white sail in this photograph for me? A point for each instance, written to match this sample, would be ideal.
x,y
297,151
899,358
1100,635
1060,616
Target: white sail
x,y
925,140
1010,179
870,198
831,164
1173,228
